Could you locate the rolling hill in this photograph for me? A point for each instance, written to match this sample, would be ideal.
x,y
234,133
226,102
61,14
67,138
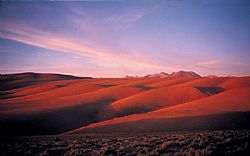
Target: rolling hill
x,y
210,111
39,104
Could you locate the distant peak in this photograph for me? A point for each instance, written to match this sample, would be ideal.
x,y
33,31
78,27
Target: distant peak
x,y
161,75
185,74
211,76
128,76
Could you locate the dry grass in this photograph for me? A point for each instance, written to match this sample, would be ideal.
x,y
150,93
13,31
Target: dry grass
x,y
179,143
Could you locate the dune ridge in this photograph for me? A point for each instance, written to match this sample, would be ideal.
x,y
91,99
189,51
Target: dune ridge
x,y
92,103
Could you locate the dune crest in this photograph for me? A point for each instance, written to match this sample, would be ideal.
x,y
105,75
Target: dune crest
x,y
33,103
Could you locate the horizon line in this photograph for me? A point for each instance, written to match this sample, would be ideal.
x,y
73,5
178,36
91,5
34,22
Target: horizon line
x,y
131,76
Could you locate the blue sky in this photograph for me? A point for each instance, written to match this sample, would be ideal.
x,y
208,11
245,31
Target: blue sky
x,y
118,38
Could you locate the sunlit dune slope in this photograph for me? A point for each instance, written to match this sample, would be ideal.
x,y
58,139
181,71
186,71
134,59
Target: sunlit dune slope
x,y
55,89
110,93
235,100
74,92
179,90
224,82
236,82
115,93
204,82
157,98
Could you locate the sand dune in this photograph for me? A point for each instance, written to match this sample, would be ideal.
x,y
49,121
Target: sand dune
x,y
156,99
45,104
222,121
12,81
34,103
236,82
57,110
61,88
224,82
204,82
55,89
37,89
235,100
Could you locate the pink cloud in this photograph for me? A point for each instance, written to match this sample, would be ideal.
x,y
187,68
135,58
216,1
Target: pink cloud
x,y
102,56
221,67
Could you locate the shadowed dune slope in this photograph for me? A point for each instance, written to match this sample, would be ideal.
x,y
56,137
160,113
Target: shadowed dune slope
x,y
235,100
222,121
12,81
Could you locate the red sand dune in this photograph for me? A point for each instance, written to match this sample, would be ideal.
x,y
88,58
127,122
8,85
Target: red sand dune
x,y
224,82
61,88
12,81
157,98
39,88
98,99
235,100
204,81
236,82
55,89
36,105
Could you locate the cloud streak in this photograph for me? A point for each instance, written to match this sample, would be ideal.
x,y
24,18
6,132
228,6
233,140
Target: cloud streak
x,y
226,68
123,38
23,33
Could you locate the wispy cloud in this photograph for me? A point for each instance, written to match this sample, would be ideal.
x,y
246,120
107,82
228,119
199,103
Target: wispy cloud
x,y
222,67
23,33
104,26
213,64
125,21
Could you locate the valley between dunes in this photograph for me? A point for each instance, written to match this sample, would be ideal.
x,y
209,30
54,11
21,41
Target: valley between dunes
x,y
42,104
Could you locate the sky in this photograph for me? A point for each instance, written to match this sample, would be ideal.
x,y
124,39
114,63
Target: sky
x,y
119,38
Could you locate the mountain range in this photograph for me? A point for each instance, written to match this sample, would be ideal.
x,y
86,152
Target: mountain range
x,y
165,75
